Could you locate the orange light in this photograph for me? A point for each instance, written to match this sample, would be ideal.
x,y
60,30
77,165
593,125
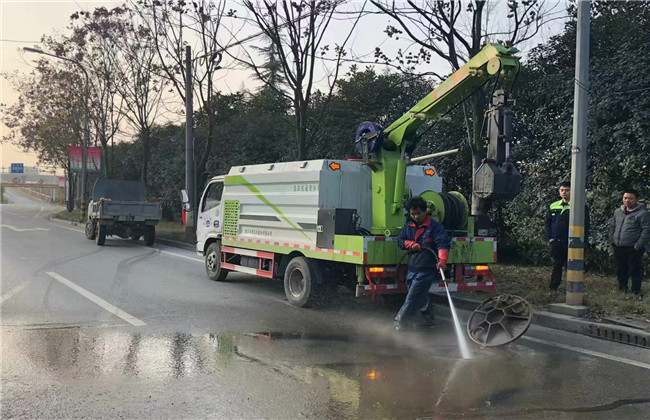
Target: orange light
x,y
335,166
373,374
429,172
482,268
376,269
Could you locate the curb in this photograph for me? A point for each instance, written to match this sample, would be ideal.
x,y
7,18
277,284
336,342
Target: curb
x,y
175,244
69,222
612,332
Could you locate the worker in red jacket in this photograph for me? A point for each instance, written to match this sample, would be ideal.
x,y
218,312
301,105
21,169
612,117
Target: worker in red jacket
x,y
423,238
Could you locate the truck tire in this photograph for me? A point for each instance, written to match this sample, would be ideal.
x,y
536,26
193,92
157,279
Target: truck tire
x,y
91,230
149,235
300,282
101,234
213,263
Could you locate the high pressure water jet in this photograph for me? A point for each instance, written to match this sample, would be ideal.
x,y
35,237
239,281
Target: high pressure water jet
x,y
460,336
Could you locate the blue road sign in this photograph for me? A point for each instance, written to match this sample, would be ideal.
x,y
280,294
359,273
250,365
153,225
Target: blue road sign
x,y
17,168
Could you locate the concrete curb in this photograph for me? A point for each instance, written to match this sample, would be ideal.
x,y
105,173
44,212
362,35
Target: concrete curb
x,y
175,244
69,222
612,332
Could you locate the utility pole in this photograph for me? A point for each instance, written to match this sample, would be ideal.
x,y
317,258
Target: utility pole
x,y
190,215
576,263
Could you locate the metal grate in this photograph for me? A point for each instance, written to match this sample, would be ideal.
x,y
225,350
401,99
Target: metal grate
x,y
231,217
640,339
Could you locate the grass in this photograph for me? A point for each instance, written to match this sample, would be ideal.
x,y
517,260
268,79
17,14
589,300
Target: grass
x,y
73,216
602,294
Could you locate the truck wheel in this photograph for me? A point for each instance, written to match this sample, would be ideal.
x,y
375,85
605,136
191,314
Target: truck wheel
x,y
149,235
213,263
300,282
91,230
101,234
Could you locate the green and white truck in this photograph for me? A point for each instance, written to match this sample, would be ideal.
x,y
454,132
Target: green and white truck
x,y
320,222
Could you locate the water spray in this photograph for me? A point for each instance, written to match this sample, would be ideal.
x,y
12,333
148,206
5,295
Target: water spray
x,y
462,342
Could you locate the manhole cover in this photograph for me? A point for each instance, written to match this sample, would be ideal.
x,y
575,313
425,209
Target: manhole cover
x,y
499,320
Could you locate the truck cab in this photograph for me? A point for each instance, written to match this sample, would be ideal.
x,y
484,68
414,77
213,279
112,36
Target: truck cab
x,y
209,224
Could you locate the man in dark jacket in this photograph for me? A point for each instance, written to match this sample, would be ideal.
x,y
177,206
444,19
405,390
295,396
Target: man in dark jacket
x,y
629,234
423,238
557,233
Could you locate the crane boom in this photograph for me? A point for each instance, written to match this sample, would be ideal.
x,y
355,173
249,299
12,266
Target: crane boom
x,y
400,138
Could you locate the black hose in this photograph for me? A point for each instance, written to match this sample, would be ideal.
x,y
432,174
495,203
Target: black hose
x,y
453,211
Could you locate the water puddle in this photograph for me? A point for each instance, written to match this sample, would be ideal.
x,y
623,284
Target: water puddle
x,y
346,376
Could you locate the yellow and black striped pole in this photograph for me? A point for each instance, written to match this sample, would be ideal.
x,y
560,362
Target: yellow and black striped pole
x,y
575,284
576,259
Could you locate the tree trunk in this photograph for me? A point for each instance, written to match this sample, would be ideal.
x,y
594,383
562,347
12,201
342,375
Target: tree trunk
x,y
301,132
145,135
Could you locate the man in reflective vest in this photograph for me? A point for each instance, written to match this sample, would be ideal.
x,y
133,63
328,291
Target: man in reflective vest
x,y
557,233
423,238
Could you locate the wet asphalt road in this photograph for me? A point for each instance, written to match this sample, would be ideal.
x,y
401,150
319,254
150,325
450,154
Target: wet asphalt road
x,y
127,331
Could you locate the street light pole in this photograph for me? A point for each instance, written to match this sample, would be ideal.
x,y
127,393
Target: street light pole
x,y
84,147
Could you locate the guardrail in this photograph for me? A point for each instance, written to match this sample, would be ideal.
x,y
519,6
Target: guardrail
x,y
37,195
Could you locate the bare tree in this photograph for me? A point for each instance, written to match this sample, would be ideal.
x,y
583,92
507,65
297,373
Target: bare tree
x,y
455,31
296,30
128,46
174,24
90,44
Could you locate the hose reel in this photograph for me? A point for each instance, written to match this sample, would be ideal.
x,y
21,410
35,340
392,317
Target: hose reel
x,y
450,209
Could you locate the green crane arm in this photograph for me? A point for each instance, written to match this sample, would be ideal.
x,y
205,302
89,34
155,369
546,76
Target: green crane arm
x,y
493,58
401,136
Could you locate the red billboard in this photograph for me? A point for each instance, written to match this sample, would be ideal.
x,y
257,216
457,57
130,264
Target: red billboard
x,y
93,159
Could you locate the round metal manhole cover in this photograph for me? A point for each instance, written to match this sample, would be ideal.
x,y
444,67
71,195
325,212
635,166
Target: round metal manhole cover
x,y
499,320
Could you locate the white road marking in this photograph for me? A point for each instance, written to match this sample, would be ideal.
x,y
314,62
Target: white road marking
x,y
14,291
39,212
17,229
99,301
589,352
181,256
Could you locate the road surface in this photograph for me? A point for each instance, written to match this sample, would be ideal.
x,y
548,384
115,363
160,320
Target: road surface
x,y
128,331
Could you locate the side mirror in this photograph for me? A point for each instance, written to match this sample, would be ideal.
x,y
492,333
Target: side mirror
x,y
185,200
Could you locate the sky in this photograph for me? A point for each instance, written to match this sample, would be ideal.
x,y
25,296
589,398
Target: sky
x,y
27,21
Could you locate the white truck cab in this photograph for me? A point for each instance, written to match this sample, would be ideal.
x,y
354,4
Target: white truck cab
x,y
209,222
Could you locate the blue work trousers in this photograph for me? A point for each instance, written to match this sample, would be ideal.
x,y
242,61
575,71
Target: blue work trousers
x,y
417,298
